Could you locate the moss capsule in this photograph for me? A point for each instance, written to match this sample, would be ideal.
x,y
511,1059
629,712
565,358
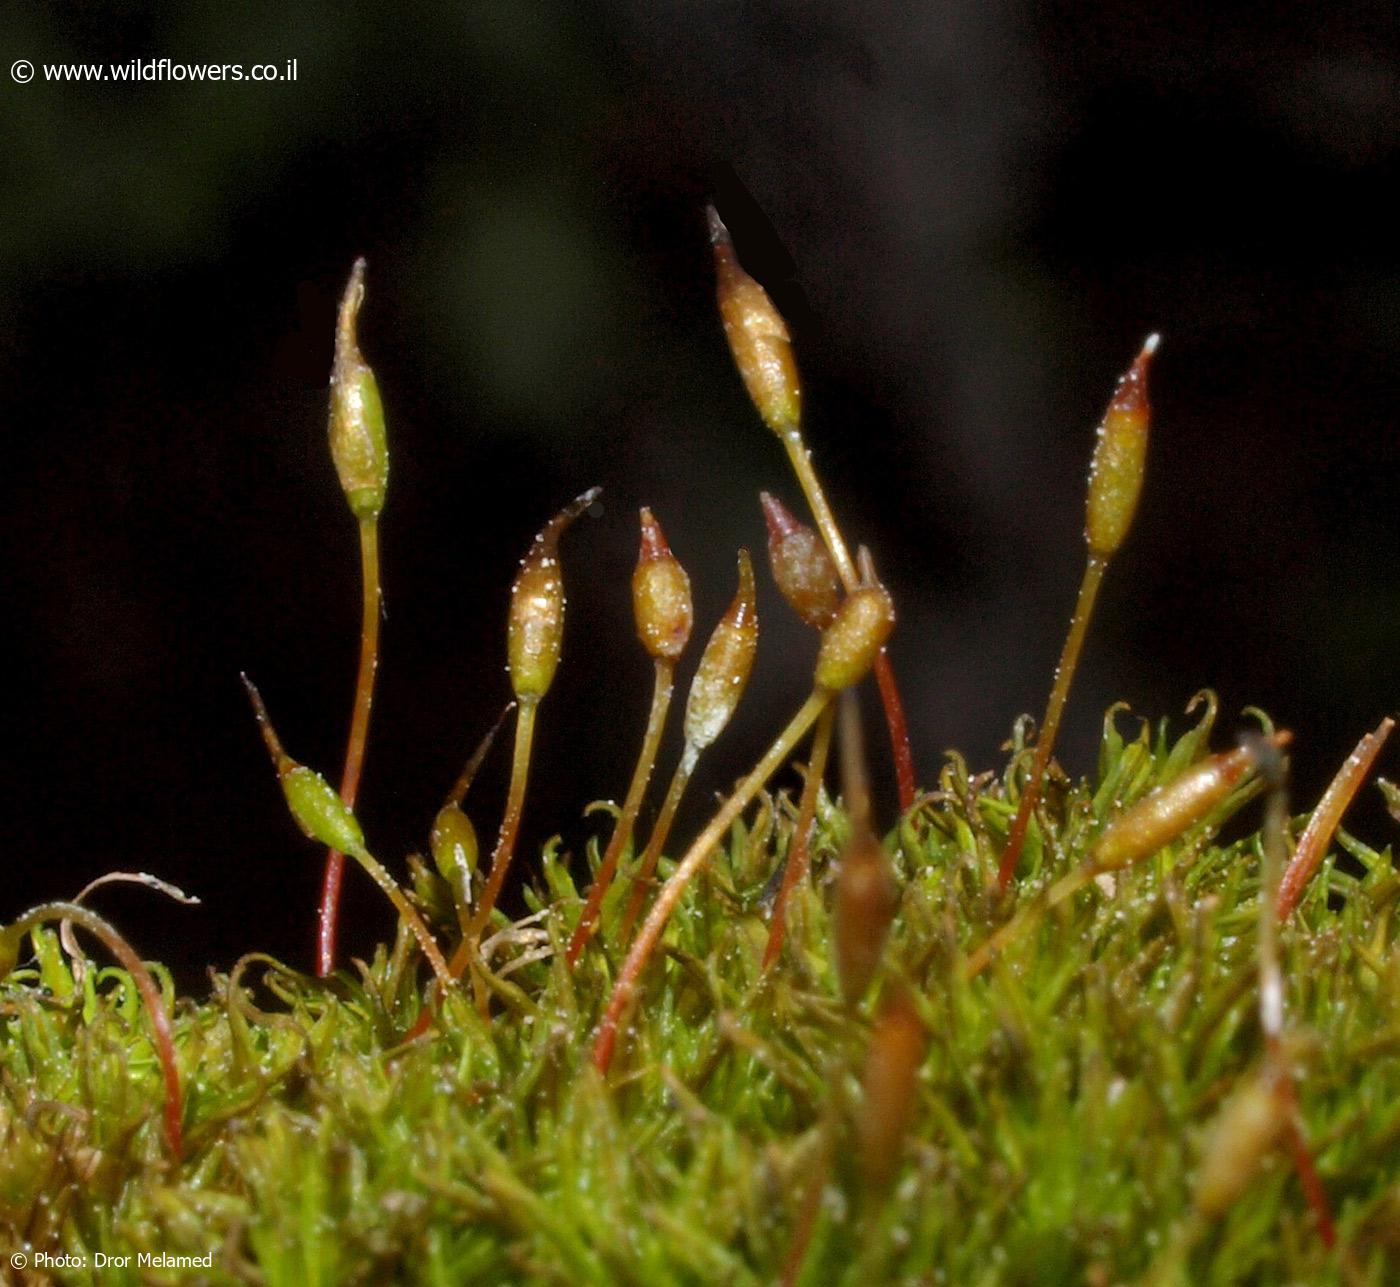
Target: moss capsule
x,y
1161,816
359,447
866,899
535,629
1249,1127
803,569
454,844
853,640
724,668
889,1087
319,811
661,603
1120,458
758,337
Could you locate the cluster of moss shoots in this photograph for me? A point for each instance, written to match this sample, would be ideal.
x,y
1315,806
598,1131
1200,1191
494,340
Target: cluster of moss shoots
x,y
1041,1030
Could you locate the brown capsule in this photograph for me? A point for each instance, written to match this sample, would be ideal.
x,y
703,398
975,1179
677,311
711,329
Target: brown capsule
x,y
866,900
802,568
1158,818
853,640
359,447
1248,1128
1120,458
535,630
661,602
758,337
724,668
889,1088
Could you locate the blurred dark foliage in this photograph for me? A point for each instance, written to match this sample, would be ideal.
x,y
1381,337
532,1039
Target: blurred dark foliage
x,y
971,213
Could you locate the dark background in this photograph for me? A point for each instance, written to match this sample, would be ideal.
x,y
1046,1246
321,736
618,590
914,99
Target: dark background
x,y
972,215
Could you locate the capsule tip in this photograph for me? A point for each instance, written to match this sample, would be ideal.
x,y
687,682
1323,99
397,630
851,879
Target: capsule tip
x,y
865,562
350,303
654,543
719,234
781,521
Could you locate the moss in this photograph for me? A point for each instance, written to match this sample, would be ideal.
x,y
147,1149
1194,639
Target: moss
x,y
1062,1102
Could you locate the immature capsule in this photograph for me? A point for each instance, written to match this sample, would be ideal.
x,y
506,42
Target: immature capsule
x,y
454,844
866,900
661,602
1120,456
319,811
1165,813
724,668
889,1087
758,337
802,568
1250,1126
358,444
535,629
853,640
315,805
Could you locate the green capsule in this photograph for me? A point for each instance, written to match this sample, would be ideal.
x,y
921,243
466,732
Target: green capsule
x,y
358,443
454,844
319,811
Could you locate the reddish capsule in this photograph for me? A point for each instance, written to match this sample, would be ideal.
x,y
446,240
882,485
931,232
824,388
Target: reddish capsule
x,y
1120,459
758,337
802,568
866,900
889,1088
661,602
724,668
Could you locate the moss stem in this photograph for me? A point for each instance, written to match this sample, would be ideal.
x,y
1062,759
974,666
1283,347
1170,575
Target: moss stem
x,y
359,733
627,819
510,830
164,1040
1049,729
660,833
895,720
799,851
624,990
